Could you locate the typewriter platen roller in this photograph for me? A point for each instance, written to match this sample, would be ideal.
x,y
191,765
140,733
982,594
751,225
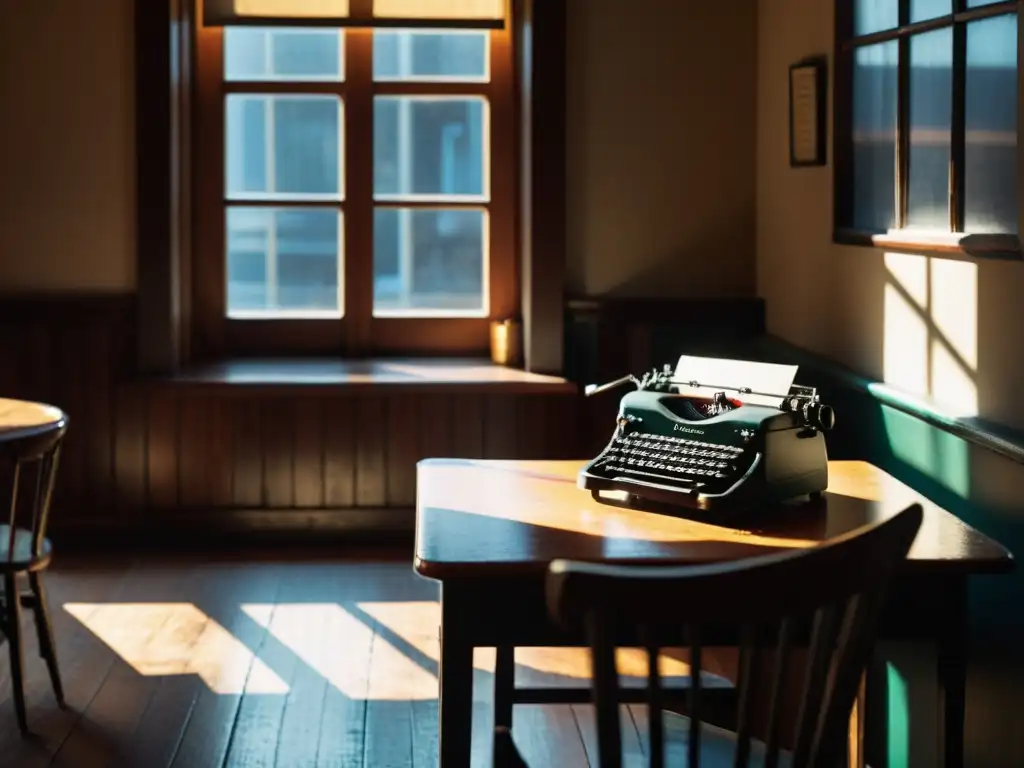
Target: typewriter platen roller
x,y
714,445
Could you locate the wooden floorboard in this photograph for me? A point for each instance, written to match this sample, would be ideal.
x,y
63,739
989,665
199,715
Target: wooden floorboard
x,y
266,661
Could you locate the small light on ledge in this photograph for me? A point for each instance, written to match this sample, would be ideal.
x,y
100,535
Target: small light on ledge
x,y
506,342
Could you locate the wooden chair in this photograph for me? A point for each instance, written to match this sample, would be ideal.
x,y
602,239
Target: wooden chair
x,y
30,441
818,605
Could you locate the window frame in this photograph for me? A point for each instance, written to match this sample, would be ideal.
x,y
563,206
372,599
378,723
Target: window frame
x,y
980,244
358,334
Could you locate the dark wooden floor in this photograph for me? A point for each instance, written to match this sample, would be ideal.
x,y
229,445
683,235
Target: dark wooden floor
x,y
202,661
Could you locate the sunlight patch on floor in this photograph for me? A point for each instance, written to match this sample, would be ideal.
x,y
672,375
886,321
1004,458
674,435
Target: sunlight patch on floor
x,y
418,625
335,643
178,639
380,651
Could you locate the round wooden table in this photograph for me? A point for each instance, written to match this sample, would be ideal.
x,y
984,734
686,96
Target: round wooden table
x,y
23,414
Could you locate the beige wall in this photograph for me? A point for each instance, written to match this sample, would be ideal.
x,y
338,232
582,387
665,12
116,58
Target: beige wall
x,y
66,145
943,328
661,135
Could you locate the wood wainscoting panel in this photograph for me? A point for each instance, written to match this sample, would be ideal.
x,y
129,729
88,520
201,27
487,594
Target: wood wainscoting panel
x,y
468,429
370,468
436,422
162,430
404,440
232,448
224,456
130,454
339,453
309,454
69,350
247,487
205,445
277,429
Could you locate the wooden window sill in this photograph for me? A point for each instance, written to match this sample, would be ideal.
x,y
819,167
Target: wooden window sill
x,y
956,244
437,375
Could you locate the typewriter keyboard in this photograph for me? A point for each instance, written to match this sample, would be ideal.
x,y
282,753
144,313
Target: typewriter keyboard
x,y
674,461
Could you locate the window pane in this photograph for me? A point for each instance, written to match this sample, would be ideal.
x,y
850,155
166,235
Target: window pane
x,y
922,10
874,136
429,261
976,3
280,146
874,15
990,173
931,102
430,55
283,54
284,261
429,146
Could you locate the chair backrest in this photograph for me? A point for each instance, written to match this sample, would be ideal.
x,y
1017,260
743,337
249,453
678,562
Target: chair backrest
x,y
821,603
30,441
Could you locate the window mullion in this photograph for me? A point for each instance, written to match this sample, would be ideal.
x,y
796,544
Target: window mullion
x,y
902,117
842,123
358,265
1019,127
902,129
958,121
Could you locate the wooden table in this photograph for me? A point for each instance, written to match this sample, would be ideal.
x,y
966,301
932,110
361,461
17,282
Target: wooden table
x,y
487,530
20,418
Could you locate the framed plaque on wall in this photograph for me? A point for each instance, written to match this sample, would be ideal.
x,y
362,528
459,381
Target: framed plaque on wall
x,y
808,93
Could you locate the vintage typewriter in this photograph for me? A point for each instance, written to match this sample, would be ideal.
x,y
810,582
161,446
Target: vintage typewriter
x,y
713,446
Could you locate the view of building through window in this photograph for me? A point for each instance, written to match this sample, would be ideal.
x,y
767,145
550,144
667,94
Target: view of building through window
x,y
983,152
285,173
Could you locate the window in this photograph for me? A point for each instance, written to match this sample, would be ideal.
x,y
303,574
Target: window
x,y
354,190
926,121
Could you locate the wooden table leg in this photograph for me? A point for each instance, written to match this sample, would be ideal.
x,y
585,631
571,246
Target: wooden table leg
x,y
455,697
504,685
856,738
952,673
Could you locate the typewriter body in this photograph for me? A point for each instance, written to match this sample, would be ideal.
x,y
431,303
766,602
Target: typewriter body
x,y
712,446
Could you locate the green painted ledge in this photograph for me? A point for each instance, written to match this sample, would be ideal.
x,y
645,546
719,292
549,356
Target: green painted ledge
x,y
998,438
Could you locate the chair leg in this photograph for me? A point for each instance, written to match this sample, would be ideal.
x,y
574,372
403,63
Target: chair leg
x,y
505,752
12,622
44,630
504,685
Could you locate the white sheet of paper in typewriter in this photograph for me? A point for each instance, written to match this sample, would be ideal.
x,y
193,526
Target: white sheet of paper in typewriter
x,y
714,374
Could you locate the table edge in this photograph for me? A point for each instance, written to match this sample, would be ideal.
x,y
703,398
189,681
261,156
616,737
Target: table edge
x,y
457,571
